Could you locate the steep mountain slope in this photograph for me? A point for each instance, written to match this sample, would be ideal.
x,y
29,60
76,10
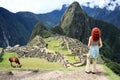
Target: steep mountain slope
x,y
76,23
28,19
104,14
53,18
49,19
20,25
40,30
11,30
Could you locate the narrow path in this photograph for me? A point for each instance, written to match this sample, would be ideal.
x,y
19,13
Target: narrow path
x,y
54,75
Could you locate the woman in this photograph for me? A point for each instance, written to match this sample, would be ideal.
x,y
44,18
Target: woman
x,y
94,44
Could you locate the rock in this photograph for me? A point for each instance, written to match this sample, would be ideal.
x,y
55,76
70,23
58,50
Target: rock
x,y
37,41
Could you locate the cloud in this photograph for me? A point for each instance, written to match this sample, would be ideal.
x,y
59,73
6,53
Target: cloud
x,y
109,4
44,6
37,6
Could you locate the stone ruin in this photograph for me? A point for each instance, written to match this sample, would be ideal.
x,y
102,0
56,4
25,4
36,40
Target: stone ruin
x,y
37,48
39,52
75,47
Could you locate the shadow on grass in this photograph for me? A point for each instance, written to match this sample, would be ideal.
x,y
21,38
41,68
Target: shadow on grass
x,y
1,59
102,73
1,56
70,55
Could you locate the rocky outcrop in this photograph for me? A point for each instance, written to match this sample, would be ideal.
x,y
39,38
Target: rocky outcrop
x,y
37,41
75,23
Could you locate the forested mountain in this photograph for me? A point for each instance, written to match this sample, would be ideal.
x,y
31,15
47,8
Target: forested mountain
x,y
16,28
105,14
12,31
25,22
77,24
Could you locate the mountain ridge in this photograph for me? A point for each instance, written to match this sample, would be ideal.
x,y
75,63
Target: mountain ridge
x,y
22,24
104,14
81,25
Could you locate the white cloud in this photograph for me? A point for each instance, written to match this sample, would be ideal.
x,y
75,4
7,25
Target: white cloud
x,y
43,6
37,6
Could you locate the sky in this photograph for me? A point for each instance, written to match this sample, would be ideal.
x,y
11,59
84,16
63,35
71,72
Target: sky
x,y
44,6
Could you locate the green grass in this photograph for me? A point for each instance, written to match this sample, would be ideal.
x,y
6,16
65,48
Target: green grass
x,y
31,64
111,74
37,63
28,63
54,45
42,64
4,62
0,49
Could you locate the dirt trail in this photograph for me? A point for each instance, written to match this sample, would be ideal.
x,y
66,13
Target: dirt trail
x,y
54,75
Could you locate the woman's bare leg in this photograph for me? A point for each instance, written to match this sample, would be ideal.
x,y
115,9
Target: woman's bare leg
x,y
87,69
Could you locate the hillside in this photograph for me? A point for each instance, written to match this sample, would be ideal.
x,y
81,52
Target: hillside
x,y
104,14
77,24
9,27
25,22
40,30
21,24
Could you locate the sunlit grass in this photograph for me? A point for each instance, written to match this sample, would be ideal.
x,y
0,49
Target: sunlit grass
x,y
4,61
37,63
42,64
54,45
111,74
28,63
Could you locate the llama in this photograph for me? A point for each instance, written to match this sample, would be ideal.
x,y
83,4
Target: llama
x,y
16,60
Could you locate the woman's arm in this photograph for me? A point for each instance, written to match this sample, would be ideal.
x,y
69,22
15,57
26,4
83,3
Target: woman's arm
x,y
89,42
100,42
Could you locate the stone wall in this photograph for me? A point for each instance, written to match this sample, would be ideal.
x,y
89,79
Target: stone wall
x,y
39,52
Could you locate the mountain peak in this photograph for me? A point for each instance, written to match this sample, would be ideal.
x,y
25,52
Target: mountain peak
x,y
3,10
75,6
74,21
40,30
73,10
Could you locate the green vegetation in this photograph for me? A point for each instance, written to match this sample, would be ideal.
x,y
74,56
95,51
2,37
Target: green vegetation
x,y
54,45
115,67
42,64
58,30
28,63
41,30
111,75
4,61
37,63
31,64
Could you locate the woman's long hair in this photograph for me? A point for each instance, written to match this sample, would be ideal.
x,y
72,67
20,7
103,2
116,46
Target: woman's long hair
x,y
96,33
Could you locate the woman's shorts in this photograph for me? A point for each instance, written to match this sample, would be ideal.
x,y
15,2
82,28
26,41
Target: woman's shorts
x,y
94,51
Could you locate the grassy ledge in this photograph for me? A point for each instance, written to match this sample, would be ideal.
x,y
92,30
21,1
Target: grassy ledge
x,y
111,74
